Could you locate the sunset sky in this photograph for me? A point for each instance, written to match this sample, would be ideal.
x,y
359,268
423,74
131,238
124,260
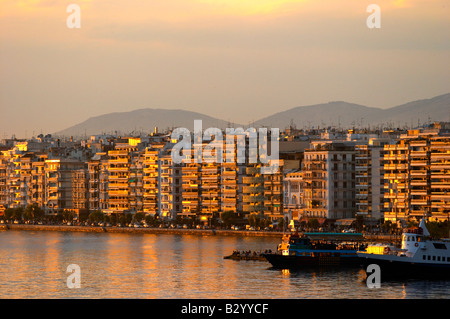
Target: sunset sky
x,y
238,60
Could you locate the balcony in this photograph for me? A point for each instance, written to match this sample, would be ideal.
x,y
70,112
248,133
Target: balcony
x,y
118,192
419,202
395,166
252,189
118,185
252,180
188,185
229,173
252,208
119,161
418,143
252,170
418,163
440,196
422,154
118,153
418,172
396,157
440,166
419,183
118,169
252,199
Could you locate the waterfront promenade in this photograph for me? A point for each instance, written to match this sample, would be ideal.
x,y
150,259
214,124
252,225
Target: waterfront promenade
x,y
140,230
178,231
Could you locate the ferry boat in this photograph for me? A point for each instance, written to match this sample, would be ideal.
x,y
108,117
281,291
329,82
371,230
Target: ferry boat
x,y
317,250
419,256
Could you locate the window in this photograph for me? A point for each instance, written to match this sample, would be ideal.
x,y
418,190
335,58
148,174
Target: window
x,y
439,246
424,257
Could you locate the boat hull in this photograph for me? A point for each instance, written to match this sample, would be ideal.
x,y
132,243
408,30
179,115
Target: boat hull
x,y
391,269
297,262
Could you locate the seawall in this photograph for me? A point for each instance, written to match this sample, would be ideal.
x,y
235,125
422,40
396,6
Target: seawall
x,y
141,230
177,231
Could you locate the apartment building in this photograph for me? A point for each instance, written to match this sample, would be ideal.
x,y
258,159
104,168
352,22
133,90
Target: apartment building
x,y
13,184
293,193
416,175
229,181
59,179
39,180
162,182
124,175
3,179
440,176
273,193
369,179
151,176
98,182
135,183
251,198
190,189
171,184
329,180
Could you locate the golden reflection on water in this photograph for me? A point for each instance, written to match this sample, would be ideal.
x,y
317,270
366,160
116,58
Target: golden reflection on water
x,y
33,265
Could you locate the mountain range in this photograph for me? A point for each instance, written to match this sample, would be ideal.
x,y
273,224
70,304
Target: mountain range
x,y
334,114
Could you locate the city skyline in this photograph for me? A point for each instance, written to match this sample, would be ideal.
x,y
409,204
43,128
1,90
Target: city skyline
x,y
234,60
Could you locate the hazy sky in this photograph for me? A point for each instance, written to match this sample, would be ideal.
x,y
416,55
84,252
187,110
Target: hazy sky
x,y
238,60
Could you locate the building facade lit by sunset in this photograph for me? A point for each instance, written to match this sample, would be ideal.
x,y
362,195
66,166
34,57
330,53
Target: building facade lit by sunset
x,y
338,176
417,170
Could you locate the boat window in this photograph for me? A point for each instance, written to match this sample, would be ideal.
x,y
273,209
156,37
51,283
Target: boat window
x,y
429,257
424,257
439,258
434,257
439,246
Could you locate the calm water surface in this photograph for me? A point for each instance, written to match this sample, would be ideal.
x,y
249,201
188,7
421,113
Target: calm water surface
x,y
33,265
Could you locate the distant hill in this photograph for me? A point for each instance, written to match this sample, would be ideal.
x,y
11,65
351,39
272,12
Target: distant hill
x,y
343,114
337,114
143,120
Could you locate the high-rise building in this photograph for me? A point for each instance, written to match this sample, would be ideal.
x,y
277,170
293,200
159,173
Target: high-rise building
x,y
59,179
329,180
369,180
416,175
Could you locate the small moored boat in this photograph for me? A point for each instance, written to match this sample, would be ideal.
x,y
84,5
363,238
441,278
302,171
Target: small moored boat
x,y
246,255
